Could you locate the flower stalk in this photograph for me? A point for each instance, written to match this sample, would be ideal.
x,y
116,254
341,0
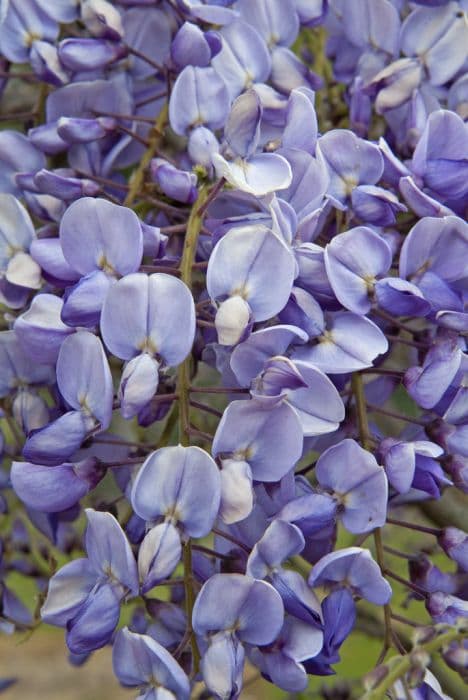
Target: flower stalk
x,y
366,442
183,387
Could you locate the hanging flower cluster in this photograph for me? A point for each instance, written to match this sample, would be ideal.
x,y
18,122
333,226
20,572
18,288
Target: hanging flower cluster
x,y
234,285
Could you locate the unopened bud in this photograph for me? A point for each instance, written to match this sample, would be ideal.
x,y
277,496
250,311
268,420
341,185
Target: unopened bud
x,y
456,657
375,677
422,635
419,662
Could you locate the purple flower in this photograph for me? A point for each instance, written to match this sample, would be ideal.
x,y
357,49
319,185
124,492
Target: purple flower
x,y
232,609
454,542
300,110
253,443
339,617
89,54
353,260
159,554
348,343
46,64
21,24
29,410
307,389
41,330
357,482
100,241
402,459
181,485
140,322
17,368
256,174
269,440
20,272
280,541
282,662
181,185
277,22
199,98
51,489
395,83
350,161
401,298
443,607
440,159
140,661
244,58
432,257
101,19
354,568
17,154
436,36
191,47
288,72
237,274
79,130
85,595
427,384
85,382
371,24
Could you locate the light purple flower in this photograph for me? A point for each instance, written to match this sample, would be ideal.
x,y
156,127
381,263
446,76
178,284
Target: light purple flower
x,y
353,261
140,661
357,482
85,382
180,484
85,595
239,269
140,322
352,567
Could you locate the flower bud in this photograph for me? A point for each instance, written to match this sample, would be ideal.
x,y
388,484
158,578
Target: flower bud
x,y
101,19
454,542
456,657
375,677
232,320
419,662
457,467
180,185
422,635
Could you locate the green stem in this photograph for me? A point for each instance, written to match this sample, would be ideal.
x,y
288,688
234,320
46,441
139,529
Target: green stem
x,y
361,411
188,256
398,666
194,225
365,438
138,176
